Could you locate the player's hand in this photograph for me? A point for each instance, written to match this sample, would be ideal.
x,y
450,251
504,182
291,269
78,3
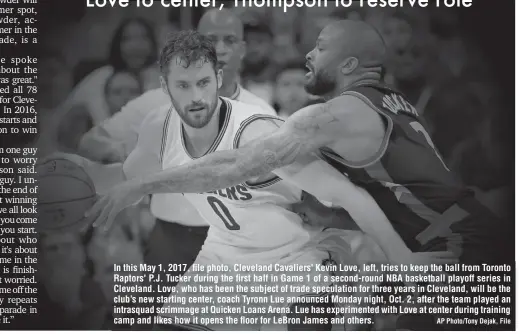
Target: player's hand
x,y
318,213
109,205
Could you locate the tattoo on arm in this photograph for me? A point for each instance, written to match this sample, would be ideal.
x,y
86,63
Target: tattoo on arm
x,y
224,169
311,124
275,152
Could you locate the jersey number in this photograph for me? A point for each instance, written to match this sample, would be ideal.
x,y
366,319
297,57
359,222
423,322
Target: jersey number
x,y
223,213
420,129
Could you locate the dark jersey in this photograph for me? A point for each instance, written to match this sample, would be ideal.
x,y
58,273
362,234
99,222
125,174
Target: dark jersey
x,y
426,203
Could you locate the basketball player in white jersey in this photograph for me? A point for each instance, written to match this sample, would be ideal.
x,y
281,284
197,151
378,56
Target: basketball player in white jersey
x,y
179,231
115,138
250,224
196,108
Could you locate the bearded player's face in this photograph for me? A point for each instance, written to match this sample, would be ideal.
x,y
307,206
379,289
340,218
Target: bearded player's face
x,y
193,90
322,64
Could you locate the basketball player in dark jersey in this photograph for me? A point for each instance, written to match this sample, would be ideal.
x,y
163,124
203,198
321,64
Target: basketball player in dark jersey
x,y
369,133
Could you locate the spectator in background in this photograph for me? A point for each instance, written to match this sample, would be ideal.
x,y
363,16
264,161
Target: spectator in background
x,y
289,92
396,28
134,49
120,88
414,70
54,84
284,50
257,68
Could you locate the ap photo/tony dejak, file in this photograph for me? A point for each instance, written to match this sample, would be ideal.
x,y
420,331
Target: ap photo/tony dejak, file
x,y
257,165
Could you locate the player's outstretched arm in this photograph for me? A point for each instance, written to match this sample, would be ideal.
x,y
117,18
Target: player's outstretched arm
x,y
294,142
298,137
284,151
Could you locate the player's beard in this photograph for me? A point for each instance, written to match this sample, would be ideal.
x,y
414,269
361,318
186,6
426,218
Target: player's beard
x,y
321,83
196,119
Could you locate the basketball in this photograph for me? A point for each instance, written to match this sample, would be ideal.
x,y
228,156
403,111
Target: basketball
x,y
66,192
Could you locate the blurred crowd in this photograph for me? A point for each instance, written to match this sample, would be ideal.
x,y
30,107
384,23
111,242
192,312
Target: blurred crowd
x,y
429,58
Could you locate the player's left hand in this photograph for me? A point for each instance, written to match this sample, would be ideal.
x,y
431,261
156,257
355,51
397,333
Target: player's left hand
x,y
113,202
317,213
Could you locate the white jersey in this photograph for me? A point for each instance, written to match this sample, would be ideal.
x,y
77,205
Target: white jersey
x,y
124,127
253,218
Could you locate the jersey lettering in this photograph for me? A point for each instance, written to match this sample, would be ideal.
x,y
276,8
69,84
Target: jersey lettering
x,y
236,193
396,103
223,213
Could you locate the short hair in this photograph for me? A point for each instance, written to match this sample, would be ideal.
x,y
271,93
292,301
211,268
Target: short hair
x,y
190,46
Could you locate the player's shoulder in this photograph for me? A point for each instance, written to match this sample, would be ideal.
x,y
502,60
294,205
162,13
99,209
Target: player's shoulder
x,y
247,97
247,113
339,117
351,108
309,116
257,126
347,102
381,98
241,110
152,130
250,121
156,118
